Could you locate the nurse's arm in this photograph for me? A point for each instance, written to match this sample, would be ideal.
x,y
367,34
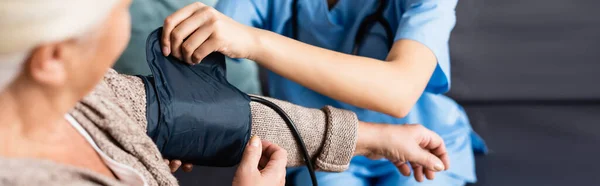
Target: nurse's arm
x,y
392,88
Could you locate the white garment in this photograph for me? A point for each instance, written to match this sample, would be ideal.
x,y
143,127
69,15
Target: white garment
x,y
124,173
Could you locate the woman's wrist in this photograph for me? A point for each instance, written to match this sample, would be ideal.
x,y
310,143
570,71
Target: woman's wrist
x,y
367,135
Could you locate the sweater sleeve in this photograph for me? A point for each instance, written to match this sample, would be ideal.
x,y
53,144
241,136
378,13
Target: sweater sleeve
x,y
130,95
330,134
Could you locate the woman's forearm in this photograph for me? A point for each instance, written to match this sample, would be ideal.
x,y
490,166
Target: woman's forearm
x,y
391,88
330,134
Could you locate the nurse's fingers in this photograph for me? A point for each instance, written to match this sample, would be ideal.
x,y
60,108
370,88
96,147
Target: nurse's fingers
x,y
188,26
418,172
173,20
188,167
209,46
194,41
264,160
275,167
252,155
174,165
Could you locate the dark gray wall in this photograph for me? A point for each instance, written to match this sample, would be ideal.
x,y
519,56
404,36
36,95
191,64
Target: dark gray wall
x,y
526,50
527,73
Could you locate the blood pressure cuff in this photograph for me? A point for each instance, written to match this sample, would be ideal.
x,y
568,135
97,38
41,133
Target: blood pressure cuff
x,y
193,113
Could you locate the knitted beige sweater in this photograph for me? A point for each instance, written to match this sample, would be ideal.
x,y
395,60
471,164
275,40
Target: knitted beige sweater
x,y
114,114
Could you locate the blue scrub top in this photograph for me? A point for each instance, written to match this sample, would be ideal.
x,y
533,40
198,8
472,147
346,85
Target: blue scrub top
x,y
426,21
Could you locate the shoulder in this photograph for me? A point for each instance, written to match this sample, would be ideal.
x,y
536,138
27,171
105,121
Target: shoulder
x,y
121,93
120,97
107,117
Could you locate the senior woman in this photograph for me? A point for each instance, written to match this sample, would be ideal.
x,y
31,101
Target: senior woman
x,y
67,119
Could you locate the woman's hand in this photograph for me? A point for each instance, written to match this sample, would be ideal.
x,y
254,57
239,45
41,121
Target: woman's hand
x,y
175,164
195,31
423,149
263,164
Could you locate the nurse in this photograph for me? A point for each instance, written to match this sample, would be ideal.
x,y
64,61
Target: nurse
x,y
388,61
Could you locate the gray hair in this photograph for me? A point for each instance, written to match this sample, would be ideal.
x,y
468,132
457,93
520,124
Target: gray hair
x,y
25,24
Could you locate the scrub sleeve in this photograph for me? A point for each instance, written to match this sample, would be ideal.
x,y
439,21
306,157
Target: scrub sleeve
x,y
430,23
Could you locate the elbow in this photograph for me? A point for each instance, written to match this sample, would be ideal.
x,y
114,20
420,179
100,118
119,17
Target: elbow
x,y
398,109
399,113
399,102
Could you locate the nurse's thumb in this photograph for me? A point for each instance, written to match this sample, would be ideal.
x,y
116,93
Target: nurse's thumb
x,y
428,160
252,154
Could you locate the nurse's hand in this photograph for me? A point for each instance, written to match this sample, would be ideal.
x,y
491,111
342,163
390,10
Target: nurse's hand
x,y
263,164
195,31
175,164
404,145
